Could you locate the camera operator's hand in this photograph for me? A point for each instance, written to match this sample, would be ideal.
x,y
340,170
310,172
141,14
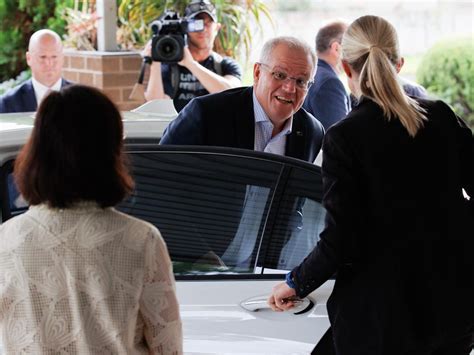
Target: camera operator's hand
x,y
188,59
146,52
155,84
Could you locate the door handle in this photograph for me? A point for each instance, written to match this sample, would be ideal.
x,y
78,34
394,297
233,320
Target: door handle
x,y
255,304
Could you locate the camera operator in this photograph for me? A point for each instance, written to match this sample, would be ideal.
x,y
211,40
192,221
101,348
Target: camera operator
x,y
201,71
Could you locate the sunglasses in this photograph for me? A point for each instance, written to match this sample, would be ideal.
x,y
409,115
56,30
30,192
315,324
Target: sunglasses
x,y
200,6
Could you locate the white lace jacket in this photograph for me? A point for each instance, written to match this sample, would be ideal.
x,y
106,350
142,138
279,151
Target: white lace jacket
x,y
86,280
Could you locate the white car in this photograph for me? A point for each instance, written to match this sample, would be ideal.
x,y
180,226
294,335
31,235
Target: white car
x,y
235,221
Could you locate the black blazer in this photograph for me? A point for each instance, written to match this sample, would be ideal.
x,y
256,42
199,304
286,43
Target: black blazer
x,y
227,119
398,231
22,98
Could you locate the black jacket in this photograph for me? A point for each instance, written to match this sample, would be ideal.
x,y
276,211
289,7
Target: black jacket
x,y
22,98
399,232
227,119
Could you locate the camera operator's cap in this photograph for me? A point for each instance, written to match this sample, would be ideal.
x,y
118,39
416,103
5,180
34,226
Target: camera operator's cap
x,y
197,7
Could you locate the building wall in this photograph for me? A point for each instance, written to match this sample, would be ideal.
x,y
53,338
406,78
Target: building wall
x,y
116,73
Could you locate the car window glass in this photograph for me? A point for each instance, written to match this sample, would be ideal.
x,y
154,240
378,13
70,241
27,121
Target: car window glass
x,y
12,202
219,213
211,209
299,220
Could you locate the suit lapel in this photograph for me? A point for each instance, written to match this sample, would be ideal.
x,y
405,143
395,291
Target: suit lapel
x,y
64,83
244,120
296,140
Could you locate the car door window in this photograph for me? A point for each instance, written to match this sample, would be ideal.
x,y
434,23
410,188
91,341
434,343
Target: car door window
x,y
298,222
221,211
211,209
12,203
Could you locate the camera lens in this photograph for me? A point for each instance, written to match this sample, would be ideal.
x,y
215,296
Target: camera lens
x,y
168,48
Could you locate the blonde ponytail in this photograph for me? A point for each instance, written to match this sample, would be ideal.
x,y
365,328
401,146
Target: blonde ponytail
x,y
370,47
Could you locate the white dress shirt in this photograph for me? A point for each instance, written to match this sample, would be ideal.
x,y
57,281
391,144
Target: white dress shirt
x,y
264,142
41,90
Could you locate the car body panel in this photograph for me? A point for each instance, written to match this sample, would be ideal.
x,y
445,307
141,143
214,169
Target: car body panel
x,y
214,321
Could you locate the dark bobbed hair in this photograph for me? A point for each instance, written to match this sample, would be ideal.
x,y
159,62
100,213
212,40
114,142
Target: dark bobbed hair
x,y
75,152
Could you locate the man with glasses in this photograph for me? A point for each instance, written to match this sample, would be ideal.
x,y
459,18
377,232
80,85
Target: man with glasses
x,y
45,59
266,117
327,99
201,71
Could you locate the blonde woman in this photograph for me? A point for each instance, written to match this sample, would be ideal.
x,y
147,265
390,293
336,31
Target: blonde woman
x,y
399,232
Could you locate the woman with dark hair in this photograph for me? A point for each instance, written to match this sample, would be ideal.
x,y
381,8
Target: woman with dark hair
x,y
399,231
77,276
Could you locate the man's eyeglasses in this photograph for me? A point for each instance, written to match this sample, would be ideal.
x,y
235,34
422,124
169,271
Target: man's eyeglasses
x,y
279,75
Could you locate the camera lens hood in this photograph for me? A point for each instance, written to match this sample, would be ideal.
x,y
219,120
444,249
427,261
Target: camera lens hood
x,y
168,48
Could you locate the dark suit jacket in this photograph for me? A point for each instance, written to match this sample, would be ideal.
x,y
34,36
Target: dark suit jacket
x,y
22,98
327,98
227,119
398,231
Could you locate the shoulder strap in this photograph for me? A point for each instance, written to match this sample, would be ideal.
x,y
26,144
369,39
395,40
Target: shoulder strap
x,y
174,79
217,59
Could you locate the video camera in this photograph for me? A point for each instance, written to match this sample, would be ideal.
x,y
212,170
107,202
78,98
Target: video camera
x,y
170,36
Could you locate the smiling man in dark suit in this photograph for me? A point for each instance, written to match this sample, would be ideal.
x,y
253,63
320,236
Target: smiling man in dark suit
x,y
266,117
45,58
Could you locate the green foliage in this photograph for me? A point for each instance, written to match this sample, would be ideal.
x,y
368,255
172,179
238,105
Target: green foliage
x,y
81,24
290,6
9,84
447,72
238,19
241,20
18,20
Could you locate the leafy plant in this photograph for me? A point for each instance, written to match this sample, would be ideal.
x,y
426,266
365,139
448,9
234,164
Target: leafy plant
x,y
238,19
9,84
447,71
18,20
134,18
81,25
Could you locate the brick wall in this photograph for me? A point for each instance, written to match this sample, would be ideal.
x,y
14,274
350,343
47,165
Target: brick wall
x,y
114,72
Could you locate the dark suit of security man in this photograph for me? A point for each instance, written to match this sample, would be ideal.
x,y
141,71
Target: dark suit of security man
x,y
22,98
45,59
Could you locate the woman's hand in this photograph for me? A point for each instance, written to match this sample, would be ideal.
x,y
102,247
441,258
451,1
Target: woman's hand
x,y
281,298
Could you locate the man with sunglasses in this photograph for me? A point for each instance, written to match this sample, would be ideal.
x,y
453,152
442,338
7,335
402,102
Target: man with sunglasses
x,y
201,71
266,117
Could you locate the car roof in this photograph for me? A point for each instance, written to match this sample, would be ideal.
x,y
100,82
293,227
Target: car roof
x,y
15,128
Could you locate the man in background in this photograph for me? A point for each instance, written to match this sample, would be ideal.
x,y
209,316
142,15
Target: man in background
x,y
45,59
201,71
327,98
